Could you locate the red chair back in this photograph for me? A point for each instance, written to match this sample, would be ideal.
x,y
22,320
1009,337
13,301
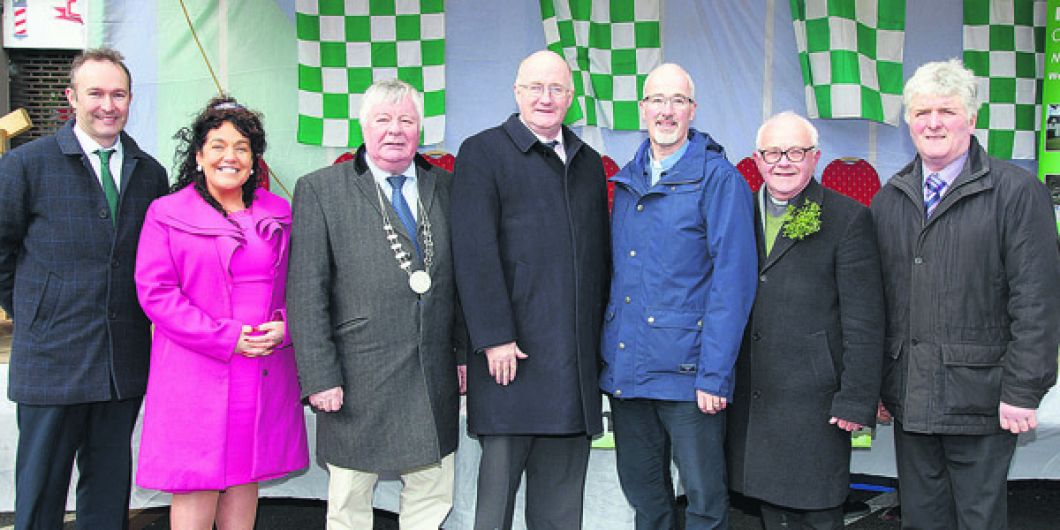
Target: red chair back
x,y
610,168
344,157
750,173
441,159
852,177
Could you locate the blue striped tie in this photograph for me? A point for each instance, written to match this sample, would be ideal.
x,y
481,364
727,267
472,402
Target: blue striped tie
x,y
934,186
397,200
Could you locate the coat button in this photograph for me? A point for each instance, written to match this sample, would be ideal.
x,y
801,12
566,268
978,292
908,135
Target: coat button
x,y
914,342
114,264
618,393
762,278
756,336
621,345
265,372
113,315
918,260
640,207
103,214
756,394
632,253
628,299
651,320
699,324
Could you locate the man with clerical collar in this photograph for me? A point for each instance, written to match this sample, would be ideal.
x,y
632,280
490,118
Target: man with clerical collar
x,y
971,278
373,315
683,281
809,367
530,246
71,208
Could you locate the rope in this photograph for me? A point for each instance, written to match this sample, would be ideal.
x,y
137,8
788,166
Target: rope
x,y
205,59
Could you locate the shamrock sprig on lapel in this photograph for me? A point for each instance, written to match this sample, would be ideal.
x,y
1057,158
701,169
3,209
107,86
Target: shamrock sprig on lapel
x,y
802,221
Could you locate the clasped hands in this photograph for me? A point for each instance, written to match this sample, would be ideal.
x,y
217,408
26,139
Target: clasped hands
x,y
260,340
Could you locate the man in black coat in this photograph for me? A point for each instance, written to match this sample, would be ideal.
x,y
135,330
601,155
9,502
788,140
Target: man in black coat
x,y
530,235
972,284
809,368
71,209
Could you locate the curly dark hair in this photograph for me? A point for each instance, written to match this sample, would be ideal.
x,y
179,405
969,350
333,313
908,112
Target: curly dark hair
x,y
191,140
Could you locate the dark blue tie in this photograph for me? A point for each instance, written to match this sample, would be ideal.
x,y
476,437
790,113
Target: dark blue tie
x,y
397,200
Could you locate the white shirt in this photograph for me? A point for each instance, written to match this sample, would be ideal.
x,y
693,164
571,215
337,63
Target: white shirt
x,y
560,150
90,146
410,190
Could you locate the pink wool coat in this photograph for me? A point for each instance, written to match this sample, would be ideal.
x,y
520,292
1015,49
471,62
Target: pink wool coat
x,y
184,285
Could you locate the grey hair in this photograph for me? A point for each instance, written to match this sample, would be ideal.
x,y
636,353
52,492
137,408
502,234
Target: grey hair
x,y
389,91
787,114
943,78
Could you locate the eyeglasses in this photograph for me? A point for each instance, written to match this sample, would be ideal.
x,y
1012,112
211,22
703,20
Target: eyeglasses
x,y
658,101
537,90
794,154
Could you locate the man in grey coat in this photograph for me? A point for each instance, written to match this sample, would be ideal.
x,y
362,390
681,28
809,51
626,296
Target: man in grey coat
x,y
971,279
373,315
809,367
530,246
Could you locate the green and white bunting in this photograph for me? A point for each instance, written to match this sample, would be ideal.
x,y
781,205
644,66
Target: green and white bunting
x,y
1003,44
346,45
851,57
611,46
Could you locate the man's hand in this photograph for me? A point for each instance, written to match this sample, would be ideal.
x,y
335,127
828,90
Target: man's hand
x,y
329,400
461,378
502,361
883,415
709,403
846,425
1017,419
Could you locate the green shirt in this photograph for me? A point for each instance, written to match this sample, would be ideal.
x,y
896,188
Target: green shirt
x,y
772,228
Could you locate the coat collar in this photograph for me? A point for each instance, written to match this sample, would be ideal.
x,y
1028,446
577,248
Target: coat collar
x,y
361,178
187,211
692,167
68,145
974,178
813,192
524,139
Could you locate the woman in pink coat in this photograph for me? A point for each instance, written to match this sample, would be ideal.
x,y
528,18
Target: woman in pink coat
x,y
222,409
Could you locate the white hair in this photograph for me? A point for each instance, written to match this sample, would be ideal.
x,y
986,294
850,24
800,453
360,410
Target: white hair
x,y
389,91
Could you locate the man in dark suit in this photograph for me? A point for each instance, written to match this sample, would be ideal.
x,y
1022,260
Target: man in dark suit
x,y
809,369
530,247
71,208
971,278
373,314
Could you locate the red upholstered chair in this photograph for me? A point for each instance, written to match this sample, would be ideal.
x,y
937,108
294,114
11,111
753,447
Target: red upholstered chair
x,y
610,168
344,157
262,173
852,177
441,159
750,173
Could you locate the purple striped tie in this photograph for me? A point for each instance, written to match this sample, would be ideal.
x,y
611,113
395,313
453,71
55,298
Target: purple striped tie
x,y
934,186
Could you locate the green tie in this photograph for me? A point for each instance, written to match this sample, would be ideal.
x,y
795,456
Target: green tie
x,y
109,189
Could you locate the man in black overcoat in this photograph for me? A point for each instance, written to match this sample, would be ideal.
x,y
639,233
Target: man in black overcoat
x,y
530,249
809,368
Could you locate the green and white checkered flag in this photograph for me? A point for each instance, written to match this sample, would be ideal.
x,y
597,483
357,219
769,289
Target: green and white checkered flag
x,y
1004,43
851,57
346,45
611,46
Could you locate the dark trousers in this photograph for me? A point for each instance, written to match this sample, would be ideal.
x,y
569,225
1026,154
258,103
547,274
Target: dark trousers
x,y
50,437
647,434
555,481
778,517
951,481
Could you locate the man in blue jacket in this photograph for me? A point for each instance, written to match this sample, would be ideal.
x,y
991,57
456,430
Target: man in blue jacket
x,y
683,282
71,208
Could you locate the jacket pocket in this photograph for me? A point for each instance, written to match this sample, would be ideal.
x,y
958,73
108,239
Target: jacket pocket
x,y
972,382
46,304
673,341
820,355
607,346
893,375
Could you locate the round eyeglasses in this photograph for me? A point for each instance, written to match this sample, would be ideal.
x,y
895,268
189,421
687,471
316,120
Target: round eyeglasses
x,y
795,154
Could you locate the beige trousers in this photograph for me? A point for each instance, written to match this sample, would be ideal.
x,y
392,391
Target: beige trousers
x,y
426,497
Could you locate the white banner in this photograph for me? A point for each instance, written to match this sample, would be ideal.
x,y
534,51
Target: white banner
x,y
46,24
